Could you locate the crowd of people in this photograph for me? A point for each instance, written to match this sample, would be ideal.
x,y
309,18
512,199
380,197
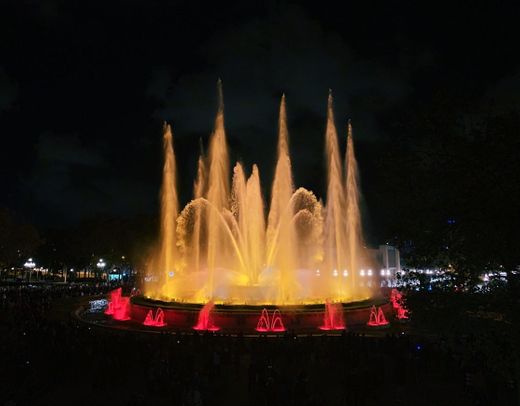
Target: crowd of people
x,y
60,360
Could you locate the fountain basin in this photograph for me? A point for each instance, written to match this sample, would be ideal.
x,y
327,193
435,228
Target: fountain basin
x,y
244,319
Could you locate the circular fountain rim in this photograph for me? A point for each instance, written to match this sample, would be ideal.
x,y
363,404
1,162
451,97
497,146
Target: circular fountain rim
x,y
142,300
241,320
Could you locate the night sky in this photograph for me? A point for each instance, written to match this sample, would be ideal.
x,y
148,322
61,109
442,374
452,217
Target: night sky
x,y
85,86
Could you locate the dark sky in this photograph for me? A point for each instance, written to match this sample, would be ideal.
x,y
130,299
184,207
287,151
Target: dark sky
x,y
85,85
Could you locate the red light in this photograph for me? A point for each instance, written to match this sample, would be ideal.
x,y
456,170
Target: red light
x,y
157,321
377,318
118,306
333,317
205,321
273,324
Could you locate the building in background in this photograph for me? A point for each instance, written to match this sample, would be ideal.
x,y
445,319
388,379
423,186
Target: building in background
x,y
390,261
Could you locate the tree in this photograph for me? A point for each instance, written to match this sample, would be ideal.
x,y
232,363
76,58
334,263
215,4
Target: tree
x,y
450,183
18,240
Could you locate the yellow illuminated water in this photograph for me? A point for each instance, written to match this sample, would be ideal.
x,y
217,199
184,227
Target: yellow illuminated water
x,y
222,247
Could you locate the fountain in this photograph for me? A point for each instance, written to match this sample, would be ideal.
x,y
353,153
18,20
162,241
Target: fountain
x,y
396,298
222,247
402,313
263,324
114,301
377,318
118,305
122,312
238,254
270,324
276,322
149,319
205,321
110,309
333,317
157,321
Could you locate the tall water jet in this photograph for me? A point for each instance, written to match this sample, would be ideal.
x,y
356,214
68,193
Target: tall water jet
x,y
280,231
200,181
248,210
335,228
198,192
169,211
239,211
218,179
255,226
218,192
353,215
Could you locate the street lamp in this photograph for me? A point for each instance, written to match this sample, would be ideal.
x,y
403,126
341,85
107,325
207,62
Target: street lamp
x,y
71,270
29,265
101,264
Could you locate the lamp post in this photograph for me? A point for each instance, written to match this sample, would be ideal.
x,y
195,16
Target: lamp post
x,y
101,264
29,265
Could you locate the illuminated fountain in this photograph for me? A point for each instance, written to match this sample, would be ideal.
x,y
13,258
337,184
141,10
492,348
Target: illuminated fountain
x,y
396,298
157,321
377,318
114,301
118,305
149,320
272,324
205,320
333,317
122,312
227,247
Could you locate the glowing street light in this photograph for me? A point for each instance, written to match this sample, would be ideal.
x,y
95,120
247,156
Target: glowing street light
x,y
101,264
29,265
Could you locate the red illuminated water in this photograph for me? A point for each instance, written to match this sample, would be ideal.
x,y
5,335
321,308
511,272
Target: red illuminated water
x,y
148,320
122,312
157,321
396,299
118,306
110,309
114,301
263,324
333,317
381,319
270,324
205,321
377,317
276,322
402,313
